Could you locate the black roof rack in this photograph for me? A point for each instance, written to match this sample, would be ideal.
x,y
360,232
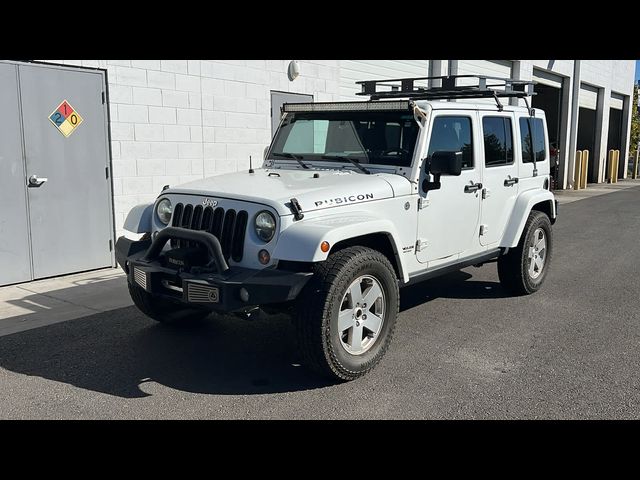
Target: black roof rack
x,y
485,87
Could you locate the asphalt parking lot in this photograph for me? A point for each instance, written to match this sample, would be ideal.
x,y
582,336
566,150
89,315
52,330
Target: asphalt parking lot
x,y
463,349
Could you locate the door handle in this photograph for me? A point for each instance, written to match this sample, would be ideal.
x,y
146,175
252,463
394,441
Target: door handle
x,y
35,181
474,187
509,182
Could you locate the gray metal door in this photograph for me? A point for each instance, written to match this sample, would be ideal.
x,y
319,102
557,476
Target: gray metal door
x,y
15,262
279,98
69,213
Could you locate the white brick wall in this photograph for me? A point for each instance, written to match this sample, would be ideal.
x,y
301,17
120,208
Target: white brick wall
x,y
178,120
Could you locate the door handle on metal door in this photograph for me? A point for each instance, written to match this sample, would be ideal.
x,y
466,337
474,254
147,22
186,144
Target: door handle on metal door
x,y
509,182
35,181
472,188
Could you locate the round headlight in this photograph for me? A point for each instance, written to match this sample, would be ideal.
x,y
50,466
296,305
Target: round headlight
x,y
163,210
265,225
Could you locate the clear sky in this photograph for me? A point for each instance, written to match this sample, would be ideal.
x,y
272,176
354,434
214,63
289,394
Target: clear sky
x,y
637,70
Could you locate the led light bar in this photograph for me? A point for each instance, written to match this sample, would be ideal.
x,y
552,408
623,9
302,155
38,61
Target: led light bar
x,y
346,106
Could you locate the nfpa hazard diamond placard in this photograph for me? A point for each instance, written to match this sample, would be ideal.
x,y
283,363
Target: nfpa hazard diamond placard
x,y
65,118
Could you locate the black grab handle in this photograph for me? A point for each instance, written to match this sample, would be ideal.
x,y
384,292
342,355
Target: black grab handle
x,y
472,188
205,238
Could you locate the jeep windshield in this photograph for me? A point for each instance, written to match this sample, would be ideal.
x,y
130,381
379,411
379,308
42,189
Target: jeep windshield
x,y
382,138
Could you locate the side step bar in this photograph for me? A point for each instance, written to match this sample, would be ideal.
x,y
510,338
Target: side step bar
x,y
453,266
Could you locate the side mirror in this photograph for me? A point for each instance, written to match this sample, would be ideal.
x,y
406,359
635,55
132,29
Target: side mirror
x,y
445,163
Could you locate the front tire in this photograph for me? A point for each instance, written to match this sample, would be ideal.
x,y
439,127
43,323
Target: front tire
x,y
523,270
162,310
346,315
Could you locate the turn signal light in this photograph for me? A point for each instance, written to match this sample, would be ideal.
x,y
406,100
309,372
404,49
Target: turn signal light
x,y
324,246
264,257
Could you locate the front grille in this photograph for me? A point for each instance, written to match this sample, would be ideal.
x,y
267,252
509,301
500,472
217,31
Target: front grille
x,y
229,227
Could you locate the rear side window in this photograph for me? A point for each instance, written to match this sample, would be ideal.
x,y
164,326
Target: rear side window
x,y
498,141
452,134
538,144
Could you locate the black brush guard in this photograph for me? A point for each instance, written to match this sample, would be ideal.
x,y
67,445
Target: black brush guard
x,y
216,285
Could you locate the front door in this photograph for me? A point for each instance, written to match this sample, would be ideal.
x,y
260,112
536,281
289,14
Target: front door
x,y
448,219
66,169
500,176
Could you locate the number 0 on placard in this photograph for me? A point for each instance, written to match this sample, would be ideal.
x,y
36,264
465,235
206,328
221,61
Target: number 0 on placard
x,y
65,118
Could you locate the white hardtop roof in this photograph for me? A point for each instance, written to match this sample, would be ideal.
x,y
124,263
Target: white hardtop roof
x,y
462,105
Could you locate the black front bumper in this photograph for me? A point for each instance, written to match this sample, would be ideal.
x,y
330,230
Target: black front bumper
x,y
215,286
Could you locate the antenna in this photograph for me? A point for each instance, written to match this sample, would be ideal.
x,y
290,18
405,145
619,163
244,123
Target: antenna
x,y
250,166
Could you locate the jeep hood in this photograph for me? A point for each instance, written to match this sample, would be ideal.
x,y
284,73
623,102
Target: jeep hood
x,y
331,188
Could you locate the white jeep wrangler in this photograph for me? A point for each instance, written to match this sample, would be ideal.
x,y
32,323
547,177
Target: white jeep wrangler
x,y
353,201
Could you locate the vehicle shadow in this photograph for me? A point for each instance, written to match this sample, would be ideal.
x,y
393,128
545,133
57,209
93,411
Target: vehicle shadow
x,y
119,351
452,285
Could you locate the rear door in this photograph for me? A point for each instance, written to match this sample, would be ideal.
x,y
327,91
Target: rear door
x,y
500,176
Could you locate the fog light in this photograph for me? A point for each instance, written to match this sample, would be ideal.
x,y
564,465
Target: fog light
x,y
264,257
324,246
244,294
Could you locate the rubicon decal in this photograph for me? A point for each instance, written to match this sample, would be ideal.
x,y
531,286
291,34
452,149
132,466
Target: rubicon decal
x,y
340,200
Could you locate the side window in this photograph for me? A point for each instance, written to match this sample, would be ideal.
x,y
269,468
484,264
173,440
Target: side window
x,y
538,145
498,141
452,134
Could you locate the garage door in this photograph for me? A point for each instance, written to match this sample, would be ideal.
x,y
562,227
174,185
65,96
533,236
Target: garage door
x,y
352,71
617,101
547,78
491,68
588,97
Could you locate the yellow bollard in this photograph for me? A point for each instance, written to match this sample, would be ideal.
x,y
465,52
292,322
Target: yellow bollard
x,y
634,174
610,166
616,161
585,169
578,170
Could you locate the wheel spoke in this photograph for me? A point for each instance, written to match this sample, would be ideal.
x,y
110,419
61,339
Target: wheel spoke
x,y
532,268
531,252
373,322
345,320
372,294
355,292
541,243
355,337
539,264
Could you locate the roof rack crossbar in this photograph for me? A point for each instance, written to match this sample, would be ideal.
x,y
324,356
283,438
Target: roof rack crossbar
x,y
486,86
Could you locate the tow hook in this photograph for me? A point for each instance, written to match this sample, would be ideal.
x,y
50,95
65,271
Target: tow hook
x,y
253,313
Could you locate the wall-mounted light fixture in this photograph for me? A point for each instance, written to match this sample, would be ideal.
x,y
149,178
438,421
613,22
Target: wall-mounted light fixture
x,y
294,70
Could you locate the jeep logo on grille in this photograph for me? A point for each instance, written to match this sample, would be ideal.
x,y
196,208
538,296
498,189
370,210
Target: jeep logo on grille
x,y
209,202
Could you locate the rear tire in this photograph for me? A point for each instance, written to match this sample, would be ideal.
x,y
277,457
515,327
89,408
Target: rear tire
x,y
162,310
523,270
345,316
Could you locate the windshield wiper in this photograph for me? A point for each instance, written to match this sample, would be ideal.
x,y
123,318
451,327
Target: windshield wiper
x,y
291,155
345,157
